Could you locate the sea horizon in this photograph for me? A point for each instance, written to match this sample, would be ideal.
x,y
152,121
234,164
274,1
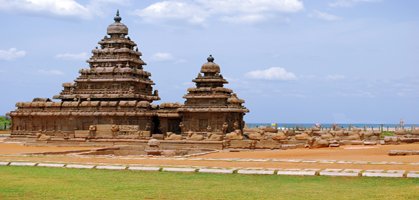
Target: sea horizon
x,y
329,125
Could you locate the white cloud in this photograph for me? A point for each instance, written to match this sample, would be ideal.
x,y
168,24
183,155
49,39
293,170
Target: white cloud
x,y
273,73
52,7
72,56
11,54
335,77
173,10
162,56
253,6
350,3
236,11
59,8
252,18
50,72
324,16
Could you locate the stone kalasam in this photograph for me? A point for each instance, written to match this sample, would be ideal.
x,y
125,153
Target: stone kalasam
x,y
112,99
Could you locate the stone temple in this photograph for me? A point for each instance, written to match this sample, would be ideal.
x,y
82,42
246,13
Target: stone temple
x,y
112,100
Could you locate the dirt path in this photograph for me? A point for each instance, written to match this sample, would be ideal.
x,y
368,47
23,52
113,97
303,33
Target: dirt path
x,y
13,152
358,153
17,148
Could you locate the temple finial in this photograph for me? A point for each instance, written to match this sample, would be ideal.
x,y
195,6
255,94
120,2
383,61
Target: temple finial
x,y
117,18
210,58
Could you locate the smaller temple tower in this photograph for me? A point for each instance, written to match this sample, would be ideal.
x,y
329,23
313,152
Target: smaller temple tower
x,y
209,107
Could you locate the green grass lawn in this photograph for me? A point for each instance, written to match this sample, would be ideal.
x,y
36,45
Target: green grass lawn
x,y
55,183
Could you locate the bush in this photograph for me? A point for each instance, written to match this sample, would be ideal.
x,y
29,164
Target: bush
x,y
4,122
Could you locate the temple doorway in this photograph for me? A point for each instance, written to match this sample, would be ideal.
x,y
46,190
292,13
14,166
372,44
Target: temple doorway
x,y
156,125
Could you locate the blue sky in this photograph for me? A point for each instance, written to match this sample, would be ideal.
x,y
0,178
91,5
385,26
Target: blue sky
x,y
323,61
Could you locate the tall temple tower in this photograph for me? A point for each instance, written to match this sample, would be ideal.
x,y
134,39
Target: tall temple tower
x,y
116,71
114,93
209,107
112,100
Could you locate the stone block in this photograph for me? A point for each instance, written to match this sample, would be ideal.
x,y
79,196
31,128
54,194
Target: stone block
x,y
382,173
111,167
327,161
50,165
288,146
216,171
297,172
267,144
241,144
309,161
340,172
104,131
76,166
256,171
60,139
176,169
22,164
334,145
81,133
139,168
158,136
292,160
413,174
370,142
4,163
259,160
351,142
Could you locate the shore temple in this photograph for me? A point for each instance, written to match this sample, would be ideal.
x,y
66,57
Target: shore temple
x,y
113,99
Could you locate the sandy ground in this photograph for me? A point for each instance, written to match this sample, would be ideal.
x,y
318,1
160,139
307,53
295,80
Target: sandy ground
x,y
14,152
357,152
14,148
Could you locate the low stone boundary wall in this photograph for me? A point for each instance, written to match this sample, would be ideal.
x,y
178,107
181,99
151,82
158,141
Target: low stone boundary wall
x,y
244,171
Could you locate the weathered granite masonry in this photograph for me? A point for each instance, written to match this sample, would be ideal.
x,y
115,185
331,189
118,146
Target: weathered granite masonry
x,y
112,100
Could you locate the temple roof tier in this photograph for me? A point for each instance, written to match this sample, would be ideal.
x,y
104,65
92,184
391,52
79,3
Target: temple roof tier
x,y
108,40
113,70
210,89
106,96
109,60
210,80
203,110
206,96
148,82
119,50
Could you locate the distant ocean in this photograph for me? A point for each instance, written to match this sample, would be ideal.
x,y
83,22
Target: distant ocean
x,y
329,125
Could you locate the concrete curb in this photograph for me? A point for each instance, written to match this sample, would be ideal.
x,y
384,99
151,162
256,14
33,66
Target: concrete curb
x,y
58,165
298,172
244,171
256,171
216,171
